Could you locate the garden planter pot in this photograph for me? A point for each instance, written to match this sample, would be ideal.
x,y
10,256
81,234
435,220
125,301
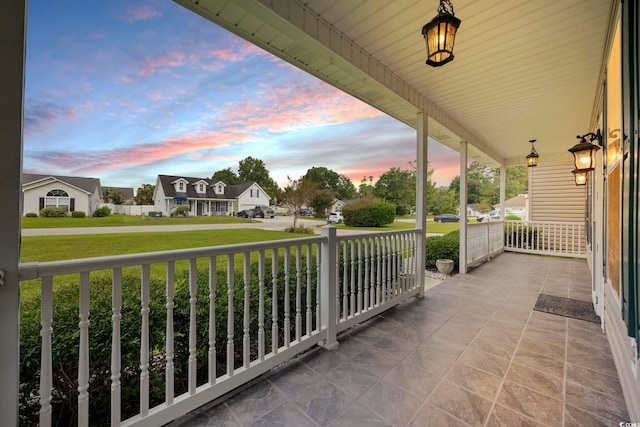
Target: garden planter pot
x,y
444,266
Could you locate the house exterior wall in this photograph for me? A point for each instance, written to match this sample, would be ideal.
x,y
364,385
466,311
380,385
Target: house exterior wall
x,y
83,202
553,194
252,197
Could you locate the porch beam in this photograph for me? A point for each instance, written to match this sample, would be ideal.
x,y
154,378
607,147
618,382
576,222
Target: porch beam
x,y
422,144
462,263
12,46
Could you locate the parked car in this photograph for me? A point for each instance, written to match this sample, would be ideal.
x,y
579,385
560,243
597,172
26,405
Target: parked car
x,y
264,211
493,216
335,218
247,213
446,218
305,212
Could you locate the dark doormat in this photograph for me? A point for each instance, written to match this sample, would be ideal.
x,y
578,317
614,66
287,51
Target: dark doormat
x,y
567,307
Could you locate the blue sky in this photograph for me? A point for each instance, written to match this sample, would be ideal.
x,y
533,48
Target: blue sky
x,y
126,90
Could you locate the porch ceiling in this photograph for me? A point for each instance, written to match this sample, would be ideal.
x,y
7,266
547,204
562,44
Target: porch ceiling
x,y
522,70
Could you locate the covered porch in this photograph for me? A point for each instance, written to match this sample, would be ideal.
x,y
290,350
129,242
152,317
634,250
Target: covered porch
x,y
471,352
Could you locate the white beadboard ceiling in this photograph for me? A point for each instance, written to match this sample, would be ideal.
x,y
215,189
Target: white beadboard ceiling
x,y
523,69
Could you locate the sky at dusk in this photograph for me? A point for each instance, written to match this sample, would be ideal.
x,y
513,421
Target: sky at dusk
x,y
127,90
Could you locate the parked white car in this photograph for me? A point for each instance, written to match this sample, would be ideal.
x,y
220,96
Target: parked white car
x,y
335,218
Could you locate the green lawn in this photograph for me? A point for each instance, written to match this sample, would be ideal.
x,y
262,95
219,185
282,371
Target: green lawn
x,y
125,220
57,248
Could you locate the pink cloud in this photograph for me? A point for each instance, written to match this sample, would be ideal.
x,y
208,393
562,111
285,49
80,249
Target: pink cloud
x,y
162,62
94,162
141,13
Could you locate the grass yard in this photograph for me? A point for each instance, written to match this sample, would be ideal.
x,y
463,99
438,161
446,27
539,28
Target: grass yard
x,y
57,248
126,220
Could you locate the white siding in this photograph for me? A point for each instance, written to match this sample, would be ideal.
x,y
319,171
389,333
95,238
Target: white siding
x,y
554,194
32,197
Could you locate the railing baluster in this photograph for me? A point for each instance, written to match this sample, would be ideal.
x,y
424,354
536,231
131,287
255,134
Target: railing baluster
x,y
230,314
83,365
287,297
360,294
144,341
378,272
352,292
319,260
261,343
309,316
170,367
367,282
193,292
345,280
246,342
46,372
298,293
213,283
116,316
274,301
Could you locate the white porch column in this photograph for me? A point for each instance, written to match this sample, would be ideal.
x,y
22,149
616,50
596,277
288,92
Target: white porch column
x,y
421,194
12,46
462,267
503,189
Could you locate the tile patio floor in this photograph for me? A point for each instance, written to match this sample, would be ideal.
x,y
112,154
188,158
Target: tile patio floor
x,y
471,352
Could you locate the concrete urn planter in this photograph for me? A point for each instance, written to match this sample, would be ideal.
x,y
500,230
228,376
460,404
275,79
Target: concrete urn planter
x,y
444,266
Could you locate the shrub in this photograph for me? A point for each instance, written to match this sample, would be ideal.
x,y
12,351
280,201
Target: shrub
x,y
53,212
446,247
513,218
102,212
369,213
301,229
402,210
31,215
66,336
78,214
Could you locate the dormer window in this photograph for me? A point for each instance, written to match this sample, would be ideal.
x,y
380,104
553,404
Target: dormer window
x,y
201,188
181,186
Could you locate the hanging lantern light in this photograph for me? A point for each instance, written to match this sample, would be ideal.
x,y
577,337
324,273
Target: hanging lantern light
x,y
439,35
584,158
532,158
580,176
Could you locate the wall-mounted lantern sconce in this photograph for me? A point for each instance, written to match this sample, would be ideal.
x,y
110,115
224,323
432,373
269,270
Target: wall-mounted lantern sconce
x,y
584,152
584,155
439,35
580,176
532,158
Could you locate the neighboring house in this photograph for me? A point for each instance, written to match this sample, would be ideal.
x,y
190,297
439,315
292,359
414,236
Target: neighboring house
x,y
72,193
472,210
126,193
517,206
339,204
206,197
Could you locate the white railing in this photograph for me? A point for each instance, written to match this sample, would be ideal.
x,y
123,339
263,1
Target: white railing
x,y
203,327
546,238
484,241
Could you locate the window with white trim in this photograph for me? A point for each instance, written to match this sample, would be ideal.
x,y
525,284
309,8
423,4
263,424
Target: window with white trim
x,y
57,199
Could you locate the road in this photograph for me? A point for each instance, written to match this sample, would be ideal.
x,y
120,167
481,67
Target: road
x,y
278,223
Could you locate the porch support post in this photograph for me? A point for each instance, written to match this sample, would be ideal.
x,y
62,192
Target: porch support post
x,y
422,144
462,267
328,286
503,187
12,46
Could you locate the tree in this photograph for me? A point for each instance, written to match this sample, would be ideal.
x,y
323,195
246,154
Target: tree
x,y
254,170
397,186
321,200
297,194
345,190
227,176
144,195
